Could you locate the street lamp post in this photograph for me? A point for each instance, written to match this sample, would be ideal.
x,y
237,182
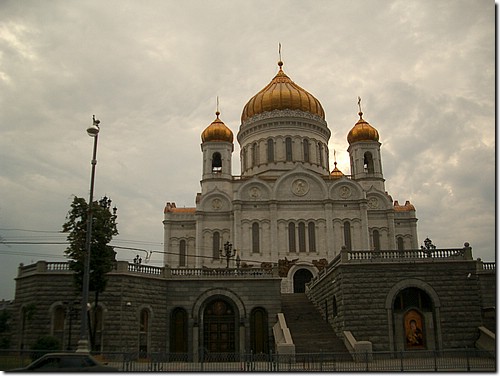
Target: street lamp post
x,y
83,345
229,253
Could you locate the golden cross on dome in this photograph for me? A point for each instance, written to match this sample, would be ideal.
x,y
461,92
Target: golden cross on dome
x,y
279,50
359,104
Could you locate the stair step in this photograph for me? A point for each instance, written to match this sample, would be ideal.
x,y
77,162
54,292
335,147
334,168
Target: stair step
x,y
308,329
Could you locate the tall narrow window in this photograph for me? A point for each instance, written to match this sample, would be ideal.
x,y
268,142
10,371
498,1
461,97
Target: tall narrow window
x,y
320,147
216,162
302,237
401,243
291,237
143,333
270,150
245,158
179,333
347,236
182,253
306,150
58,323
259,337
255,155
255,238
216,245
311,229
376,240
288,149
368,163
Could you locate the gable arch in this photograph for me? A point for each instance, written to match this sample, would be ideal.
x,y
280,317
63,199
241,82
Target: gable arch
x,y
216,200
254,189
411,282
288,185
345,189
212,293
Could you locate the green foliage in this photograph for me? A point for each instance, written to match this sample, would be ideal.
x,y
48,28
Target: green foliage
x,y
102,256
45,345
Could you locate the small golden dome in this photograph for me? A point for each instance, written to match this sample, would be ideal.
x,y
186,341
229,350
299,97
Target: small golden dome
x,y
217,131
280,94
362,131
336,173
403,208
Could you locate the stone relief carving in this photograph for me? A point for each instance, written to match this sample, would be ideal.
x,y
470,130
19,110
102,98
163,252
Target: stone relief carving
x,y
373,203
285,265
300,187
255,192
345,191
216,204
320,264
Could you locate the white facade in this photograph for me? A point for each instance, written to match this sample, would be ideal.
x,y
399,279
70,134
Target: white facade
x,y
286,205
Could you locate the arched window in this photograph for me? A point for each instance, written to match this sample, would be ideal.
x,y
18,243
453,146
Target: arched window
x,y
270,150
320,148
259,337
216,245
368,163
401,243
311,229
179,332
288,149
216,162
255,155
302,237
376,240
306,150
244,156
143,332
291,237
182,253
255,238
347,236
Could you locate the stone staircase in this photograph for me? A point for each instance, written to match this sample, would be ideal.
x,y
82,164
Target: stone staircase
x,y
310,332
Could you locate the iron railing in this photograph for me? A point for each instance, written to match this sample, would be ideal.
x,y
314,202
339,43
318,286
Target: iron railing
x,y
460,360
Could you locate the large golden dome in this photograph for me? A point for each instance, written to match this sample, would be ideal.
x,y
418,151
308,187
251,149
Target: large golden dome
x,y
217,131
281,94
362,131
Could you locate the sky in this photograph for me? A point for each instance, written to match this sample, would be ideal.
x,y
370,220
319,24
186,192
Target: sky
x,y
151,71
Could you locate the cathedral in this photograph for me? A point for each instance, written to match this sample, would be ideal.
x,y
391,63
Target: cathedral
x,y
289,227
287,207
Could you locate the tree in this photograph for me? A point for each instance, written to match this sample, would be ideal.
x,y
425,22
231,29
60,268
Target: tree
x,y
102,256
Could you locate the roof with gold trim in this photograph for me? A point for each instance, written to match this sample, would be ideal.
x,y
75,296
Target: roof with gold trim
x,y
281,94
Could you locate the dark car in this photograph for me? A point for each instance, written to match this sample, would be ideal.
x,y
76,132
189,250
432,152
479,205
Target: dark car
x,y
66,362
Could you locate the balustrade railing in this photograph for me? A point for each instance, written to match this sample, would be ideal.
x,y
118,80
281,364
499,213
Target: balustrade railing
x,y
220,273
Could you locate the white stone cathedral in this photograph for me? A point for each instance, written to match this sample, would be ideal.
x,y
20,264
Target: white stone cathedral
x,y
286,208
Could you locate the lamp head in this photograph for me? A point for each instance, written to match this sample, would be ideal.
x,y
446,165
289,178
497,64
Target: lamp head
x,y
93,130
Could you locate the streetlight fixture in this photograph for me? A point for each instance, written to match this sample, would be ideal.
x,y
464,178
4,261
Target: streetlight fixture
x,y
83,343
229,253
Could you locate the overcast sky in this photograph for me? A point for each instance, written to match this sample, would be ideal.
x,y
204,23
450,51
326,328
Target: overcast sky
x,y
151,71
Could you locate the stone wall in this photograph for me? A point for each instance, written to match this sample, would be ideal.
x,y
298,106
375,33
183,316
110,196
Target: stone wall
x,y
365,292
127,294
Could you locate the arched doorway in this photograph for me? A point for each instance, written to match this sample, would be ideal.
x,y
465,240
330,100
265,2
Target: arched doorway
x,y
178,331
259,337
300,278
414,320
219,327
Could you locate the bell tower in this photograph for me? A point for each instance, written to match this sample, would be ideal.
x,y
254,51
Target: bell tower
x,y
217,148
364,153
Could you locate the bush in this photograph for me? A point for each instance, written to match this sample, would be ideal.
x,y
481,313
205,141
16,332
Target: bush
x,y
45,345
